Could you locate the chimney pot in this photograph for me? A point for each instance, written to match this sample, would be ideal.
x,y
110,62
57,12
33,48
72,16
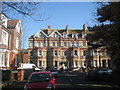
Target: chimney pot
x,y
49,27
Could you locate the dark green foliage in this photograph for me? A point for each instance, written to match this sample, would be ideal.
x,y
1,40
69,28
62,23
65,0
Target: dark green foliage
x,y
107,33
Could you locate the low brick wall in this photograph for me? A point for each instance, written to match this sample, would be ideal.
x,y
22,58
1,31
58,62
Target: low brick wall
x,y
20,74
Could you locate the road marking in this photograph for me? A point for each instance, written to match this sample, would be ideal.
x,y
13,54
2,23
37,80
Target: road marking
x,y
94,85
69,77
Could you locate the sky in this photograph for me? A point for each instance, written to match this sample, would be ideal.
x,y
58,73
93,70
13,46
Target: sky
x,y
58,15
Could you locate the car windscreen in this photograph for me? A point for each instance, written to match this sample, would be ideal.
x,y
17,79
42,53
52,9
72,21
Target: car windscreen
x,y
41,77
93,71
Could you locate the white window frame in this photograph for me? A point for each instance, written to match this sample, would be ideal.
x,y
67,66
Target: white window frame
x,y
75,35
42,44
65,35
103,53
75,53
83,35
56,53
41,35
16,61
31,44
55,35
18,28
65,43
39,44
77,44
95,53
4,20
72,44
17,42
4,37
53,44
84,43
65,53
40,53
2,59
84,53
58,44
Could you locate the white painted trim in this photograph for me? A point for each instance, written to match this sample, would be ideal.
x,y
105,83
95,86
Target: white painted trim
x,y
4,50
56,32
41,32
14,51
5,43
8,61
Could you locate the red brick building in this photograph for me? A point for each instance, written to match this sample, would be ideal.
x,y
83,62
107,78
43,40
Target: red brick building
x,y
64,47
10,32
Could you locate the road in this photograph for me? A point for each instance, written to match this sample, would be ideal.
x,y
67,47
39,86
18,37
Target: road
x,y
71,80
78,80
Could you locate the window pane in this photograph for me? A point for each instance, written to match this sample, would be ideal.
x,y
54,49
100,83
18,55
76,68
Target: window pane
x,y
75,52
39,44
84,43
41,35
56,53
72,44
40,53
77,44
58,44
65,43
43,44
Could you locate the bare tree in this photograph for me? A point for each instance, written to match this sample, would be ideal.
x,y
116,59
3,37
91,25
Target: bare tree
x,y
27,9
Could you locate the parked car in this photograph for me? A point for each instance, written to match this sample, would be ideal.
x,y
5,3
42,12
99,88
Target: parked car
x,y
40,80
54,72
99,74
105,74
92,75
75,69
105,71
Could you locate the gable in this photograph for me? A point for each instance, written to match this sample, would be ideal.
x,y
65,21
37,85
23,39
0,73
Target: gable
x,y
55,34
40,34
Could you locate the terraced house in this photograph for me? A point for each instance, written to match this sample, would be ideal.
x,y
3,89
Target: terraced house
x,y
10,32
65,48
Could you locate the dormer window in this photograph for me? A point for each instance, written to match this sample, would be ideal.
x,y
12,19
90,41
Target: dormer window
x,y
55,35
74,35
83,35
41,35
65,35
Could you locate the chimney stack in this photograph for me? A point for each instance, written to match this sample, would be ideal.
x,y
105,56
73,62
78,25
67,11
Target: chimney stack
x,y
49,29
84,27
66,29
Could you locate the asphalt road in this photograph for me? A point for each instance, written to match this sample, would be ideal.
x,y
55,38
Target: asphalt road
x,y
71,80
77,80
